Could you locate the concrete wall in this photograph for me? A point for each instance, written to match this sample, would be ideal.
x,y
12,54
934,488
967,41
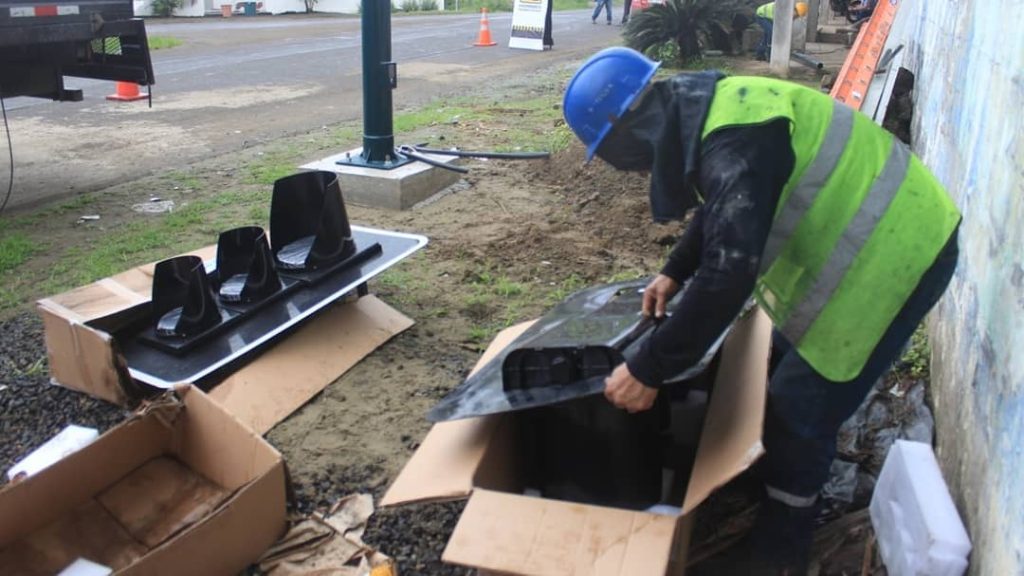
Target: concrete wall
x,y
968,58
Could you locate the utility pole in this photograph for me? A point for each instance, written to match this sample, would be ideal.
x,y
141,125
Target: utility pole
x,y
782,38
380,77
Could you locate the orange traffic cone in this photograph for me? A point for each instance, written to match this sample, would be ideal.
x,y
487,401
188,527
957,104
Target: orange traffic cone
x,y
484,39
127,92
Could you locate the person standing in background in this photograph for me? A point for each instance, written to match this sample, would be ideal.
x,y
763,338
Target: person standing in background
x,y
765,18
549,42
607,4
625,11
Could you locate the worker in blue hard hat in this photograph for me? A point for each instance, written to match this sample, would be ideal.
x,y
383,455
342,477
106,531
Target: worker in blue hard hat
x,y
833,226
765,18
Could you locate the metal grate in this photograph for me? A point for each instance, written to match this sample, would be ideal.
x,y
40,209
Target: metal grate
x,y
108,45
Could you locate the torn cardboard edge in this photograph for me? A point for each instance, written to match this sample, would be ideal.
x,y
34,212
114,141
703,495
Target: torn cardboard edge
x,y
194,431
266,390
506,532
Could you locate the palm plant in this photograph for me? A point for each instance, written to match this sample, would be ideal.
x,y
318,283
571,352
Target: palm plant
x,y
687,22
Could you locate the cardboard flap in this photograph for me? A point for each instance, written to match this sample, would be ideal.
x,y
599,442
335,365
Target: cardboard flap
x,y
214,442
445,464
92,367
288,375
731,440
538,537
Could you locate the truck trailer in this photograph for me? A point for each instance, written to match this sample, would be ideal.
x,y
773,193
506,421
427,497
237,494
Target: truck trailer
x,y
42,41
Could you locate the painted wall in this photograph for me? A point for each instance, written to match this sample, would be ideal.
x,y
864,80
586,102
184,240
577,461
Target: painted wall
x,y
968,59
188,8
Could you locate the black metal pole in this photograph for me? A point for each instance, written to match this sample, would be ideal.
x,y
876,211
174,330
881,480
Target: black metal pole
x,y
378,79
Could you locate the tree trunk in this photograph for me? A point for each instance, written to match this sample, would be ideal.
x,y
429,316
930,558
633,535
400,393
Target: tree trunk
x,y
689,47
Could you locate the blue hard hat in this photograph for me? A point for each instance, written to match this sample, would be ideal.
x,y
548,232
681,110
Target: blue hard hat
x,y
602,90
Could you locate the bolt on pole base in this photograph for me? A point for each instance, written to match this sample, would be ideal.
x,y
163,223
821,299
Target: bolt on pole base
x,y
389,163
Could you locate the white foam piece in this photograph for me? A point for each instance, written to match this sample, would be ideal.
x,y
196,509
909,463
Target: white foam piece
x,y
918,528
69,440
83,567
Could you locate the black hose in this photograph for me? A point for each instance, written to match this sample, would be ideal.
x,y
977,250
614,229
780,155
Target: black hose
x,y
495,155
10,152
808,61
410,152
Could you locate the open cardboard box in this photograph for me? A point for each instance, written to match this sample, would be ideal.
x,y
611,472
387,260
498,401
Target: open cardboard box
x,y
182,487
505,532
83,354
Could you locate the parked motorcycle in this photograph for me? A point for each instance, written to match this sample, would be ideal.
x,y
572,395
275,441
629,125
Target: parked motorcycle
x,y
854,11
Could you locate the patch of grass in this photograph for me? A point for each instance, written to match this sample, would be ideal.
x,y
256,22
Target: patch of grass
x,y
154,237
349,135
259,214
625,276
36,368
480,335
565,288
440,113
720,64
9,297
560,138
916,360
186,181
15,249
75,204
269,168
507,288
475,5
163,42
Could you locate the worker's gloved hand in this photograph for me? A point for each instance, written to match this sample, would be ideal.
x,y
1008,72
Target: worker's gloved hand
x,y
628,393
657,295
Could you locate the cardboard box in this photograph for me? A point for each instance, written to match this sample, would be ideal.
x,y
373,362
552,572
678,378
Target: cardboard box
x,y
182,487
83,354
503,531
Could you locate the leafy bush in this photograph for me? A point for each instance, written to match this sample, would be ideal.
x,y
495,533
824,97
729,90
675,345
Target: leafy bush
x,y
689,23
165,7
667,53
428,5
410,6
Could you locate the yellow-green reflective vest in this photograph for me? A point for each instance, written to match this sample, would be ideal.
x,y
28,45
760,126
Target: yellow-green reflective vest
x,y
766,11
859,222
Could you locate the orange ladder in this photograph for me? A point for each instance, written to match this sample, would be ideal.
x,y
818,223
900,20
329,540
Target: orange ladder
x,y
855,76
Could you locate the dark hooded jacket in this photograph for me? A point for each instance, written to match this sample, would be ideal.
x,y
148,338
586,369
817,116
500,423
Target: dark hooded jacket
x,y
735,178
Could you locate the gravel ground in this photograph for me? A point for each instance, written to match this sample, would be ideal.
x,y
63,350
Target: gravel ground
x,y
32,409
413,535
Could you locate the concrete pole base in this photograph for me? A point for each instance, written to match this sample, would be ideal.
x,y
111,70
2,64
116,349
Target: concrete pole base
x,y
396,189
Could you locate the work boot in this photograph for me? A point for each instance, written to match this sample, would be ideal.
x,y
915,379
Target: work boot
x,y
777,545
781,537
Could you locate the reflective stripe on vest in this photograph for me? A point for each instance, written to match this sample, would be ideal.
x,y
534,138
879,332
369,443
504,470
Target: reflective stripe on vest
x,y
871,210
858,223
813,179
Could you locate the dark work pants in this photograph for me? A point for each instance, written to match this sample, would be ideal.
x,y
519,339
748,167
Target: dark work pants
x,y
764,49
548,39
805,410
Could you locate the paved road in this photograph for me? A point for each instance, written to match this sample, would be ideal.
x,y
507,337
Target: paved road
x,y
240,81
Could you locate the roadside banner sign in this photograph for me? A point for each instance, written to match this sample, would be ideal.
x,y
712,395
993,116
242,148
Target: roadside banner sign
x,y
528,24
